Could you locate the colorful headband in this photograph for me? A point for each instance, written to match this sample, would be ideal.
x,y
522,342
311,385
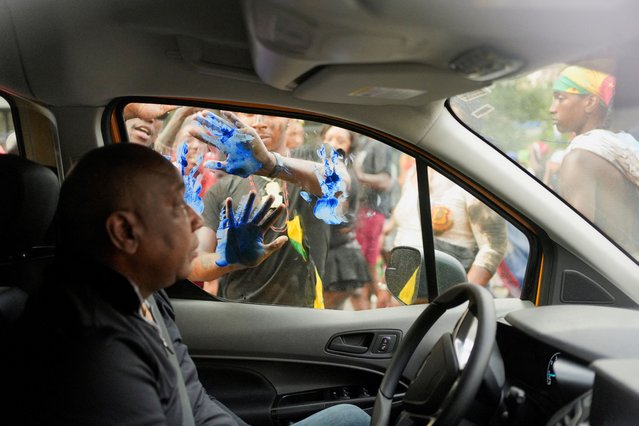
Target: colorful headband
x,y
584,81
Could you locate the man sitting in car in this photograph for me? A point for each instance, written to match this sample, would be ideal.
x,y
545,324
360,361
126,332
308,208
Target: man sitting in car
x,y
99,344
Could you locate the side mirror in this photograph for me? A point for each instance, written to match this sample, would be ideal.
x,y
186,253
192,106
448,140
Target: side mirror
x,y
406,278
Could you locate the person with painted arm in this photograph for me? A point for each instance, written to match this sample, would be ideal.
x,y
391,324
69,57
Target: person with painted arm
x,y
262,154
257,160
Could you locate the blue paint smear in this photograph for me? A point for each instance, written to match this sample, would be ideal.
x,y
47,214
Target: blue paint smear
x,y
231,141
192,184
238,241
306,196
333,189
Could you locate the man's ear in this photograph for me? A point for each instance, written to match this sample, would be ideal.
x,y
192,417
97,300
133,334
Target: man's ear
x,y
122,228
592,103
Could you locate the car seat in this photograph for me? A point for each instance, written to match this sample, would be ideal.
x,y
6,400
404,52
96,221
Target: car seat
x,y
29,199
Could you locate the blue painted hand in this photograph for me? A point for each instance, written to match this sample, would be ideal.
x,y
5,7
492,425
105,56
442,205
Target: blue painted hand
x,y
328,206
235,143
240,238
192,179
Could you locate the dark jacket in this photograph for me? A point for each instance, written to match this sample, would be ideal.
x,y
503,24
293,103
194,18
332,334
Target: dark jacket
x,y
88,357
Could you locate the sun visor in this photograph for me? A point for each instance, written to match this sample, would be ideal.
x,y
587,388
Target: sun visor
x,y
383,84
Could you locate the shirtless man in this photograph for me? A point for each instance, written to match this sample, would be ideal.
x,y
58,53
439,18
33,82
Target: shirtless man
x,y
599,171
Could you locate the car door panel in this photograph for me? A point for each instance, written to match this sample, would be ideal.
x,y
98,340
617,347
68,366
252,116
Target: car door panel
x,y
272,363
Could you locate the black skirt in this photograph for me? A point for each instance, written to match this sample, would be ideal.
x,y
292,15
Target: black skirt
x,y
346,269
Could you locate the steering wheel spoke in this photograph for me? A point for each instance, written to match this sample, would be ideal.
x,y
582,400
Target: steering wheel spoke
x,y
433,382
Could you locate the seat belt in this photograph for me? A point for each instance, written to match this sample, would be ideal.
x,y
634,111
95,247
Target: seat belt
x,y
187,412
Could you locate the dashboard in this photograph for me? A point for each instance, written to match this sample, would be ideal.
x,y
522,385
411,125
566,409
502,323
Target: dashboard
x,y
548,355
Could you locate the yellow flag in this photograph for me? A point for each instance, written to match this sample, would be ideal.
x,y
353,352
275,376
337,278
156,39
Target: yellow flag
x,y
408,292
296,236
319,292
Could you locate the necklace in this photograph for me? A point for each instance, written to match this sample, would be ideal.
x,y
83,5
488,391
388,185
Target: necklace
x,y
273,187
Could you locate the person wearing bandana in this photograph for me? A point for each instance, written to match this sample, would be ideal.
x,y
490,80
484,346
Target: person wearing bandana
x,y
600,169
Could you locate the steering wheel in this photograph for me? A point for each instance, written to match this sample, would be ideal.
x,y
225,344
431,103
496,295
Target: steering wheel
x,y
452,373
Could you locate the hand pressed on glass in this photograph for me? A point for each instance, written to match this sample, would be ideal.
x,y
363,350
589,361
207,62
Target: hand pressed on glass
x,y
192,179
240,239
234,140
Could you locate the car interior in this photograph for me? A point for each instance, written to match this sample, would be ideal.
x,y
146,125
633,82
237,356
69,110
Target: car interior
x,y
559,348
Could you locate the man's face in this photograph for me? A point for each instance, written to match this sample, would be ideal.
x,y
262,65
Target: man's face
x,y
568,111
294,135
168,241
338,138
143,132
270,129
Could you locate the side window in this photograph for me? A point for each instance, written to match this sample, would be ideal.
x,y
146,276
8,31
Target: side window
x,y
8,143
347,201
574,127
472,242
477,236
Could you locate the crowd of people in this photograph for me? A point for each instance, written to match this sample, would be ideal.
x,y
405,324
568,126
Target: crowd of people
x,y
335,265
314,263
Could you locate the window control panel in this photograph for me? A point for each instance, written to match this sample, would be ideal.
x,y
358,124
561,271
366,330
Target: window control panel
x,y
385,343
347,392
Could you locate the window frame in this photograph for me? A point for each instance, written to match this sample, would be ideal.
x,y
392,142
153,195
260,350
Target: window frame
x,y
114,130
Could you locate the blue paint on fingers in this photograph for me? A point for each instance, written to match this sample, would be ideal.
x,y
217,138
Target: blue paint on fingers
x,y
239,238
192,180
236,144
306,196
327,207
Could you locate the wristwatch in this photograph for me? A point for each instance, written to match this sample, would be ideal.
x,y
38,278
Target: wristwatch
x,y
279,165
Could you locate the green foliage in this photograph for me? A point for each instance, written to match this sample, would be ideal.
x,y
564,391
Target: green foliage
x,y
518,111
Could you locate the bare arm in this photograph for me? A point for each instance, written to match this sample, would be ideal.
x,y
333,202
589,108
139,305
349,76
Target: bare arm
x,y
491,235
204,266
478,275
297,171
380,181
166,138
577,187
146,111
247,154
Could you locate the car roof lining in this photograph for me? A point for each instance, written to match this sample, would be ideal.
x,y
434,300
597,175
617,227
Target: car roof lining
x,y
138,48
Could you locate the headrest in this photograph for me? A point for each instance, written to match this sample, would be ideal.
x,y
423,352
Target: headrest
x,y
28,201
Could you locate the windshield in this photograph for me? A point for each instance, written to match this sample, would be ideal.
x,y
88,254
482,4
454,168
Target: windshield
x,y
574,128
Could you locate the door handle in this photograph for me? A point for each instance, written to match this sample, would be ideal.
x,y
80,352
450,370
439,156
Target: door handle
x,y
338,344
365,343
354,343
